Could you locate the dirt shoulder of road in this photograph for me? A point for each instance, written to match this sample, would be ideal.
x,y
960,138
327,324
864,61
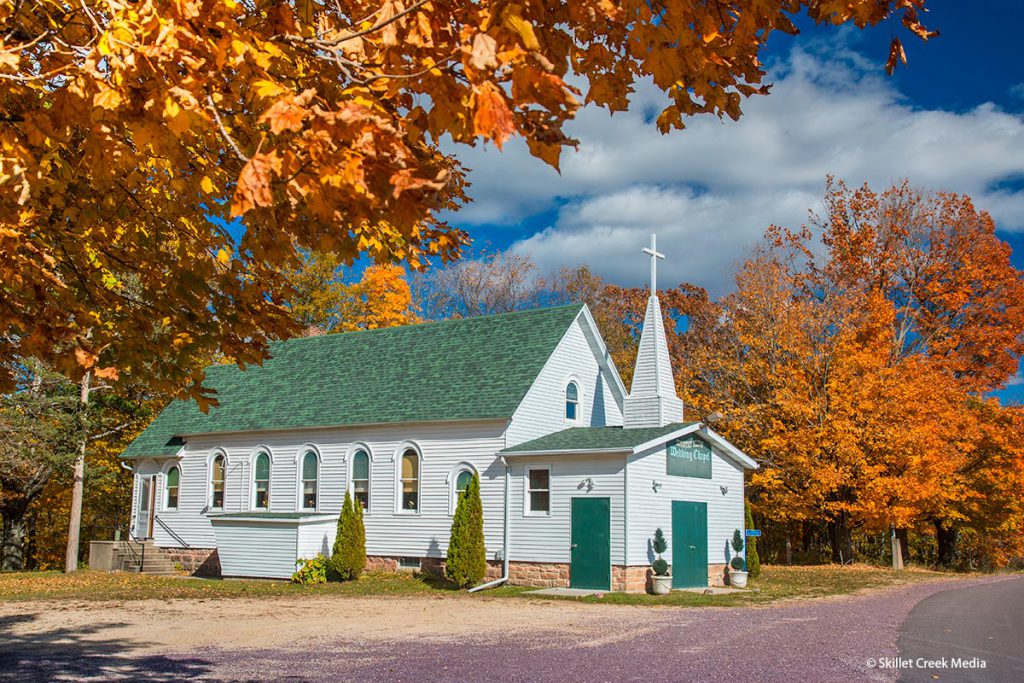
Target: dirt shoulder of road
x,y
145,626
298,621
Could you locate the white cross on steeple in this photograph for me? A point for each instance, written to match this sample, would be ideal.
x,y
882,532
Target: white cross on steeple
x,y
655,255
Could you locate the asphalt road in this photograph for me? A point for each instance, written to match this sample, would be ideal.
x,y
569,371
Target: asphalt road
x,y
975,633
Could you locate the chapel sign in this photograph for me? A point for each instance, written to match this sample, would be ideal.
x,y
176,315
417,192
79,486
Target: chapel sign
x,y
689,457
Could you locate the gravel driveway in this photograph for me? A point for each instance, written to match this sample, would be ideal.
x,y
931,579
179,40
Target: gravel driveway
x,y
457,639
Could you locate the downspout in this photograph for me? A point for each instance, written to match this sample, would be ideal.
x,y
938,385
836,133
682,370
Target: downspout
x,y
625,519
505,534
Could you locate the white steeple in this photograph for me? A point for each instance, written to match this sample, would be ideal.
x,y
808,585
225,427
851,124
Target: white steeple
x,y
652,400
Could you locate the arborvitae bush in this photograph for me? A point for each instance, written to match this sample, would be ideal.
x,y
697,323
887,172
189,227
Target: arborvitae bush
x,y
349,556
753,559
467,557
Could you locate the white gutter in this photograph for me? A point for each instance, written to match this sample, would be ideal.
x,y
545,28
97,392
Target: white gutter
x,y
505,534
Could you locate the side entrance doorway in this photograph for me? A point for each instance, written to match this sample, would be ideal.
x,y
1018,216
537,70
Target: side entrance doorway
x,y
591,555
689,544
145,507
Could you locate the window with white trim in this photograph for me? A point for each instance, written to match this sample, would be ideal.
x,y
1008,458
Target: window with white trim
x,y
572,402
171,489
538,490
462,482
410,480
458,482
361,478
217,475
261,481
310,479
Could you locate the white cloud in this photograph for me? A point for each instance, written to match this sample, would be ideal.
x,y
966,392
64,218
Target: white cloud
x,y
710,191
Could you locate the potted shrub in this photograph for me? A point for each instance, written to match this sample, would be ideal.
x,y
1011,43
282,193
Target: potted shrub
x,y
738,566
661,582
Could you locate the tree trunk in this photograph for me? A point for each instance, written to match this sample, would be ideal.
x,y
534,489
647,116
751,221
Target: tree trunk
x,y
789,550
75,524
946,538
12,542
897,550
904,538
839,539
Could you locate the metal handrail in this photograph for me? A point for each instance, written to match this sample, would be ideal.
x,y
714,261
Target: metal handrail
x,y
170,531
141,554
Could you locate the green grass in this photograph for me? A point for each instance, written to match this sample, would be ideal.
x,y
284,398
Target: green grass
x,y
92,585
775,583
779,583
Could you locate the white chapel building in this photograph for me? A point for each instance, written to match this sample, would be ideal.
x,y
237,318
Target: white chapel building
x,y
576,472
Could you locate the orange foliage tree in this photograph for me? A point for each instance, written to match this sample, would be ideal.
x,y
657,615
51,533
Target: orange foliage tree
x,y
323,301
855,371
128,126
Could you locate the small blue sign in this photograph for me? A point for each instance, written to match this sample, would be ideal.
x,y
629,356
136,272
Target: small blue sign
x,y
753,532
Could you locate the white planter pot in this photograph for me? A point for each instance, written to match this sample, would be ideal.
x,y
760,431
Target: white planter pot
x,y
737,579
661,585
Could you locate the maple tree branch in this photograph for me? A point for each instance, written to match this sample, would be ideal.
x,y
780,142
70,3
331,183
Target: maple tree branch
x,y
111,431
291,38
223,131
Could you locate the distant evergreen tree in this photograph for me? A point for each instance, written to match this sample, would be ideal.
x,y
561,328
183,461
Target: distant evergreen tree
x,y
348,558
467,557
753,559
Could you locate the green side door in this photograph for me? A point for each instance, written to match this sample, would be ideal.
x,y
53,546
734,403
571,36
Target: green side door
x,y
689,544
591,544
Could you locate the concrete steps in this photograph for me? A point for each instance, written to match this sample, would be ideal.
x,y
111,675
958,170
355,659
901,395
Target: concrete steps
x,y
153,558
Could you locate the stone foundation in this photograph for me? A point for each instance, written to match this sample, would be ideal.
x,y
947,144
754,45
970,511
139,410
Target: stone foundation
x,y
539,574
717,574
194,561
632,579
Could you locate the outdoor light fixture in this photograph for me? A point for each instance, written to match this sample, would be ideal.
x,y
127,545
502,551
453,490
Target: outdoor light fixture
x,y
725,489
587,484
655,484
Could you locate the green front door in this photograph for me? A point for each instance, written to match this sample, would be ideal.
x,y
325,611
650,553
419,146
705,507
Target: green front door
x,y
591,544
689,544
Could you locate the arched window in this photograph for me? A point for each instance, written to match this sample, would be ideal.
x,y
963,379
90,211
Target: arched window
x,y
261,481
458,485
173,482
361,478
462,481
217,472
411,480
310,480
572,402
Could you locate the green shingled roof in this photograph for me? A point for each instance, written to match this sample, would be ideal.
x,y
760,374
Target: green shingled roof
x,y
595,438
466,369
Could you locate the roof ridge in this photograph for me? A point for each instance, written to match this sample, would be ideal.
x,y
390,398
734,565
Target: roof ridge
x,y
443,321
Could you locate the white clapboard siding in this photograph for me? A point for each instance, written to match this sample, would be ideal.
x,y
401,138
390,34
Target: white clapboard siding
x,y
546,538
316,537
543,409
256,549
650,510
443,445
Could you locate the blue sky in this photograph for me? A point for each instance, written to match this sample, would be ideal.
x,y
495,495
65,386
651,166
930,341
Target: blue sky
x,y
951,119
